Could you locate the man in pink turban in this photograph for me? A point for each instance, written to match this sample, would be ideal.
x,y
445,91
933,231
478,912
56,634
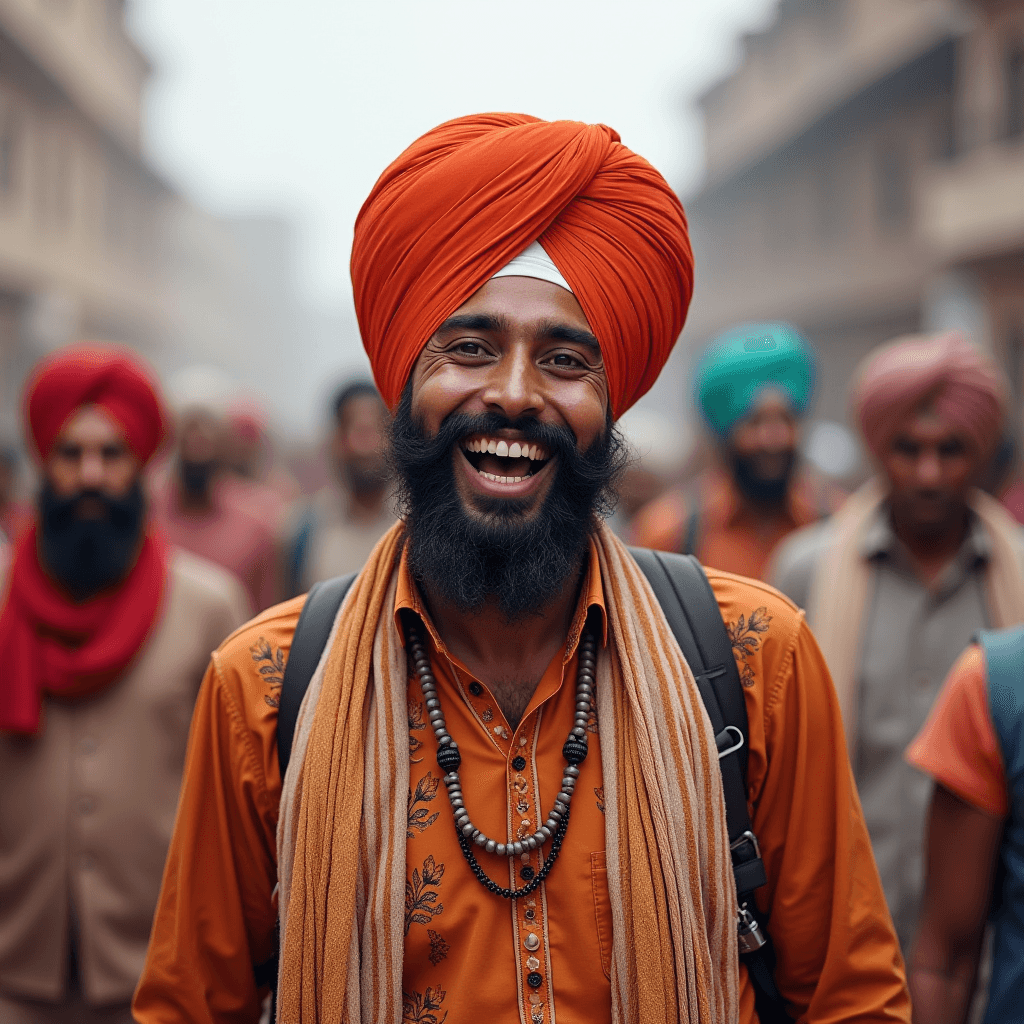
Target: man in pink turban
x,y
901,579
105,630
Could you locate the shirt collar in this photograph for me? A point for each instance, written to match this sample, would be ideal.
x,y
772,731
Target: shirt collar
x,y
879,540
408,597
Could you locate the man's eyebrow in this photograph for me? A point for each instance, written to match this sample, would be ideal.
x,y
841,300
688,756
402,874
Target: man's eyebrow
x,y
566,332
474,322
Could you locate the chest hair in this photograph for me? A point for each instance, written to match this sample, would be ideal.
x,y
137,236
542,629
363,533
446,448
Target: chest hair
x,y
513,697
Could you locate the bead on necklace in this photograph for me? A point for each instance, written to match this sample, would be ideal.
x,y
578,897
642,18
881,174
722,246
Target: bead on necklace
x,y
449,759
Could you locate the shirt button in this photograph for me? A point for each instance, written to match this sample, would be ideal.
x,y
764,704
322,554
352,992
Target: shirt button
x,y
535,979
476,689
519,763
527,873
531,942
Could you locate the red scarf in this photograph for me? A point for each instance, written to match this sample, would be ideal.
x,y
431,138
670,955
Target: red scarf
x,y
52,645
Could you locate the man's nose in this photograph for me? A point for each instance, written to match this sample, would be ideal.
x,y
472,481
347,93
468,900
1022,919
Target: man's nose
x,y
91,470
929,471
514,387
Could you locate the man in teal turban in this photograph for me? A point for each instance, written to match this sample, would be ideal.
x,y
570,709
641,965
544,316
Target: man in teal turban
x,y
753,385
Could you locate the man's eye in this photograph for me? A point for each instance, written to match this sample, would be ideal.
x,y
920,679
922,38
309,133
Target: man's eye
x,y
904,447
113,451
566,361
469,348
951,449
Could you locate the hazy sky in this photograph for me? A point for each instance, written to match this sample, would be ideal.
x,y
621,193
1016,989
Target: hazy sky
x,y
297,106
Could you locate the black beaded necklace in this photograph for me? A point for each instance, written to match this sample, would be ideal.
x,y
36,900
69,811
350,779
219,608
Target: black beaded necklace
x,y
449,759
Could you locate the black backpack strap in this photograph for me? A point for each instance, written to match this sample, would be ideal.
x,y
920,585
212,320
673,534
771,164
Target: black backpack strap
x,y
308,642
692,612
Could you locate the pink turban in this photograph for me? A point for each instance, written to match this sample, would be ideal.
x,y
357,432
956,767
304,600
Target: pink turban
x,y
945,372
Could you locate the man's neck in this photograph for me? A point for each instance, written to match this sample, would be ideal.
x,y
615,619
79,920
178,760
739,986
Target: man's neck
x,y
509,658
932,551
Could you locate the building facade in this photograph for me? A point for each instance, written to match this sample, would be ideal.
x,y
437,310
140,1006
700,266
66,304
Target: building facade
x,y
79,207
864,179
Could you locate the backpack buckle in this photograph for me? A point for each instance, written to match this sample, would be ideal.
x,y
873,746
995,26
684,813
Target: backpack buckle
x,y
724,738
749,933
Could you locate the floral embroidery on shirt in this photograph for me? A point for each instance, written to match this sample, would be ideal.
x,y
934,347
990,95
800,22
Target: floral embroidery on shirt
x,y
438,947
420,818
599,793
421,894
272,670
416,724
745,640
423,1009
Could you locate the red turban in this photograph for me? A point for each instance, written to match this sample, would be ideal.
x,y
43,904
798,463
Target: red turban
x,y
473,193
89,374
949,374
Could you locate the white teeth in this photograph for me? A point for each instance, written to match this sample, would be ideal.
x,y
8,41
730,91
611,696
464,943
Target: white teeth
x,y
502,449
514,451
502,479
532,453
492,446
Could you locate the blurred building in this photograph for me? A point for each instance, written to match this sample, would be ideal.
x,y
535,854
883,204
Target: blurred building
x,y
865,178
78,203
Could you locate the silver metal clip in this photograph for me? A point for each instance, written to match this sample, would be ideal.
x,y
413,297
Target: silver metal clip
x,y
746,837
736,745
750,936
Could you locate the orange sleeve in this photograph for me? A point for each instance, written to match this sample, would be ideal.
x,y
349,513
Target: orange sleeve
x,y
958,745
217,913
661,523
838,958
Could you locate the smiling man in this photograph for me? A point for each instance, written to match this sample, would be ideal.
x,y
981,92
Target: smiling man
x,y
105,633
913,566
501,664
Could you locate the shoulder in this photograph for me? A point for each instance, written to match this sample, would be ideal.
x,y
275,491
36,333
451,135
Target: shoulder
x,y
205,585
250,663
763,625
797,557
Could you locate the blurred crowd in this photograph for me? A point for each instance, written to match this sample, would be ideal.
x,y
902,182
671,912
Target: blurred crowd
x,y
899,572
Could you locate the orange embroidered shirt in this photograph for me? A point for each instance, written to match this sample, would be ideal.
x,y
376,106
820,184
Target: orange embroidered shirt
x,y
471,955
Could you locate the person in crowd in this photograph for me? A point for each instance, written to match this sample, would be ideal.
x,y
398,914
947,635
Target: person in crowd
x,y
105,632
972,746
14,513
913,565
519,284
263,485
754,385
198,505
336,531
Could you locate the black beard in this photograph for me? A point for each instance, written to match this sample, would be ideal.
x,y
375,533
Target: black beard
x,y
89,555
757,489
196,477
521,563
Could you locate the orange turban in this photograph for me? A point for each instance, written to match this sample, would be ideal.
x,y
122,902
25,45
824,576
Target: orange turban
x,y
473,193
959,381
116,380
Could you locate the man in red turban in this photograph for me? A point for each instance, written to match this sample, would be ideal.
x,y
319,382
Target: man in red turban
x,y
906,574
105,632
519,284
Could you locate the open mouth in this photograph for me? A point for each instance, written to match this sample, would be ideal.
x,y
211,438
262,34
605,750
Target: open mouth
x,y
503,461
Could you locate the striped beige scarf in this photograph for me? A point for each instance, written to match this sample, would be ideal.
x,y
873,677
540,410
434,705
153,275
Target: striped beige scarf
x,y
341,837
839,588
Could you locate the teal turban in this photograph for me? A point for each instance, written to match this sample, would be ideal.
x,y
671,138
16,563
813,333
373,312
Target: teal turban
x,y
746,361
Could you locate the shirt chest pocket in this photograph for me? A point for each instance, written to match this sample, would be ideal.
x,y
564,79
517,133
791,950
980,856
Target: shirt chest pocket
x,y
602,910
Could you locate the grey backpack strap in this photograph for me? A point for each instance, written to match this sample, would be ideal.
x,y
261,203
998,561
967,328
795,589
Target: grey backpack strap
x,y
311,633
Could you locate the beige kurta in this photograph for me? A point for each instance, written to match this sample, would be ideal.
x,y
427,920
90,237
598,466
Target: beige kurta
x,y
87,806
